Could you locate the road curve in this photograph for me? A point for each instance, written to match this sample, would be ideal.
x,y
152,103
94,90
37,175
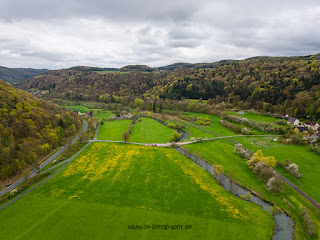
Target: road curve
x,y
45,163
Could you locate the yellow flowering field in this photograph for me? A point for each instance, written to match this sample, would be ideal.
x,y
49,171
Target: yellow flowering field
x,y
113,186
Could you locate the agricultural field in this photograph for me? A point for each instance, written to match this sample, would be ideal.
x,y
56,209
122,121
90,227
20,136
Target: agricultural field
x,y
195,100
99,113
110,186
150,131
195,132
215,125
256,117
113,130
307,161
79,108
255,131
220,152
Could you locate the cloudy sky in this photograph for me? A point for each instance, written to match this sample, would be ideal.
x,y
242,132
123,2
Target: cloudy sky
x,y
63,33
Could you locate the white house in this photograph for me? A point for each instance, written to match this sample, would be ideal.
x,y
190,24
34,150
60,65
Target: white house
x,y
293,121
312,125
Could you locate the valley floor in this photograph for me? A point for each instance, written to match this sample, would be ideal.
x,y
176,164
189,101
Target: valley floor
x,y
110,187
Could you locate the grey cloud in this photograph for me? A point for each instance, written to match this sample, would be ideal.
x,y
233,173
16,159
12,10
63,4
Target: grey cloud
x,y
184,43
120,10
59,33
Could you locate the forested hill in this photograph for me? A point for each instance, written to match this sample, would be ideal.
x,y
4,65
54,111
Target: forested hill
x,y
274,84
29,128
80,85
14,75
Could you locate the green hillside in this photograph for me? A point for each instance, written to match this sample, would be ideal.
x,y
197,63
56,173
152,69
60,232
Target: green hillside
x,y
15,75
272,84
30,128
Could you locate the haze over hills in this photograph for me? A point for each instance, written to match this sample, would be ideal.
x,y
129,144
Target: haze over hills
x,y
14,75
273,84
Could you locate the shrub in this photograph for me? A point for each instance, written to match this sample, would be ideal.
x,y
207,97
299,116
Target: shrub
x,y
308,223
203,121
238,148
276,185
192,139
298,139
294,170
171,125
175,136
258,156
287,162
246,131
230,126
125,136
258,167
315,148
281,122
266,173
246,197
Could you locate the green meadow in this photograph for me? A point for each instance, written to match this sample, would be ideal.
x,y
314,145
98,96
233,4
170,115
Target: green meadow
x,y
307,161
215,125
195,132
150,131
99,113
113,130
220,152
195,100
256,117
110,186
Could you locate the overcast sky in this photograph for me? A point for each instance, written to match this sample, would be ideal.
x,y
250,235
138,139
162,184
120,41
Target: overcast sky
x,y
63,33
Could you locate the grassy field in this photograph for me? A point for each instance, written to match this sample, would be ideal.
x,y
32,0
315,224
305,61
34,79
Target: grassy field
x,y
103,72
194,100
113,130
101,114
150,131
255,131
256,117
215,125
81,109
110,186
307,161
195,132
220,152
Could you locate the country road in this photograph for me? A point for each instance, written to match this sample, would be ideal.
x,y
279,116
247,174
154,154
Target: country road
x,y
45,163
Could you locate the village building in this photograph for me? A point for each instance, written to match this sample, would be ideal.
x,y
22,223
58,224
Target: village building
x,y
312,125
303,129
293,121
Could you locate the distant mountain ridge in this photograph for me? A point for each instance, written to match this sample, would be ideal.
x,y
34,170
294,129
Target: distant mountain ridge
x,y
273,84
14,75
